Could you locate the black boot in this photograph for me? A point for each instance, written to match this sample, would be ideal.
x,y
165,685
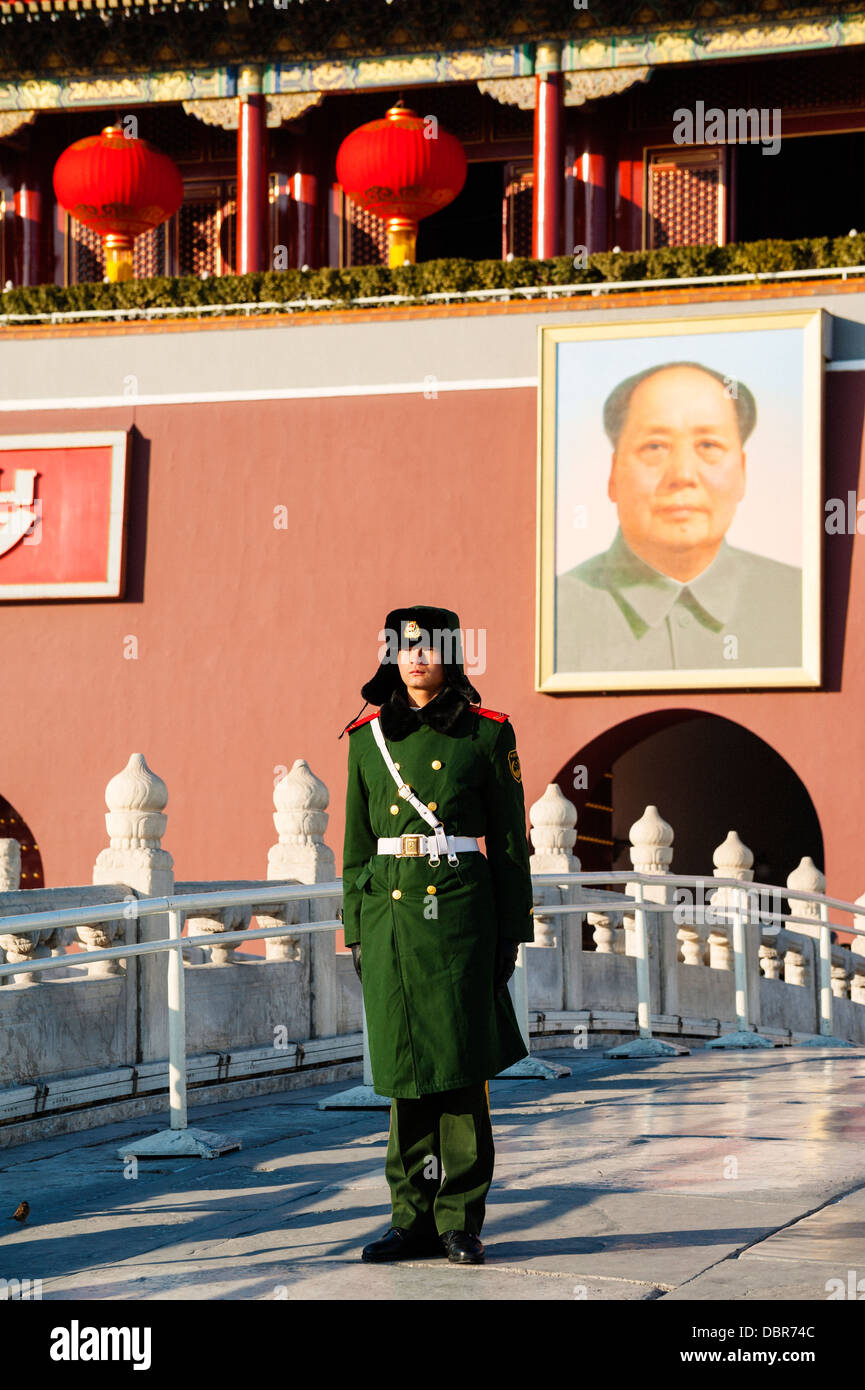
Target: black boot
x,y
463,1248
402,1245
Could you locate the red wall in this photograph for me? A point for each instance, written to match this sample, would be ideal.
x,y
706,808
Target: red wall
x,y
254,642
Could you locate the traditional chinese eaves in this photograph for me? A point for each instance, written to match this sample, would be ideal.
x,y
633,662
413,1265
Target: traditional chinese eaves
x,y
66,37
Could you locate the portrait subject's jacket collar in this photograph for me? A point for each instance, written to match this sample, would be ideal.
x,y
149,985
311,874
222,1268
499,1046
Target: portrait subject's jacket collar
x,y
398,718
651,595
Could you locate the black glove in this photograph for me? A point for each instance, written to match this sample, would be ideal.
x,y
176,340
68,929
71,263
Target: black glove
x,y
506,964
355,955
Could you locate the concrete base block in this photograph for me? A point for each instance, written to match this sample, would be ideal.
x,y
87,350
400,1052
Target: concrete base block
x,y
530,1068
176,1143
648,1047
741,1039
358,1098
821,1040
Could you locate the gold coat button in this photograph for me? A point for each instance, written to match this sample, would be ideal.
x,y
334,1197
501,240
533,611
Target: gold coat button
x,y
436,764
397,893
394,810
431,888
433,805
396,765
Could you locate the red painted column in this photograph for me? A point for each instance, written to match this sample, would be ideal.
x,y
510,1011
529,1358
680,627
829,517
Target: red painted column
x,y
28,216
594,180
629,201
586,190
251,173
548,153
304,188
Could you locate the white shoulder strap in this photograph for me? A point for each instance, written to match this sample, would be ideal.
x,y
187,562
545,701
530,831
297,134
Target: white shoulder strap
x,y
405,791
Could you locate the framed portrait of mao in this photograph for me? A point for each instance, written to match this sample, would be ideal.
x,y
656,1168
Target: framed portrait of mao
x,y
680,508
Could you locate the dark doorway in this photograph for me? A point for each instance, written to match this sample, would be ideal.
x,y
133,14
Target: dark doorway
x,y
471,226
12,827
706,775
811,187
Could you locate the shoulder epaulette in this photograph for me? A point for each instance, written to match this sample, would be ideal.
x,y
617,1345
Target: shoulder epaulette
x,y
357,723
491,713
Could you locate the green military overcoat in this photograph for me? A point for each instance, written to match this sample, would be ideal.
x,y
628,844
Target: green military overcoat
x,y
429,935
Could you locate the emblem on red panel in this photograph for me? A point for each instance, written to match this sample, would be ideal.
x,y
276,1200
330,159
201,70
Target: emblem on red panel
x,y
63,501
17,510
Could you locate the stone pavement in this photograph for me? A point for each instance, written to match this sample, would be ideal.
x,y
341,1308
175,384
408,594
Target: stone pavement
x,y
713,1176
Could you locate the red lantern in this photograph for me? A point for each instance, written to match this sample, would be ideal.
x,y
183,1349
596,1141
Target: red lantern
x,y
119,186
402,168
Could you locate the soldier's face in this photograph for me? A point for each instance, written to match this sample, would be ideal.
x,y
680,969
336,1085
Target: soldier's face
x,y
421,668
678,471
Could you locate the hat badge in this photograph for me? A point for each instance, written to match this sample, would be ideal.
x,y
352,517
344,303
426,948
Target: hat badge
x,y
412,629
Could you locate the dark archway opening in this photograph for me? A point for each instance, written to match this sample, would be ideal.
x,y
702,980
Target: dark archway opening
x,y
12,827
707,775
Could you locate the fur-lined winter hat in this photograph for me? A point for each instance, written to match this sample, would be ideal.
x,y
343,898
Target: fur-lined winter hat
x,y
431,627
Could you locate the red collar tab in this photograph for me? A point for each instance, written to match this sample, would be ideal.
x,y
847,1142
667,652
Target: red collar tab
x,y
357,723
490,713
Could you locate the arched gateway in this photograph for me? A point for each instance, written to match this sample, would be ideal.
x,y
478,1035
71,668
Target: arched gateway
x,y
707,775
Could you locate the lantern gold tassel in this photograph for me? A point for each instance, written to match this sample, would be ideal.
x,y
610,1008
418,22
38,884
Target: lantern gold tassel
x,y
118,258
402,241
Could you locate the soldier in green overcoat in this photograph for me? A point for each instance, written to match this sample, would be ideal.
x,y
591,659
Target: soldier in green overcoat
x,y
435,924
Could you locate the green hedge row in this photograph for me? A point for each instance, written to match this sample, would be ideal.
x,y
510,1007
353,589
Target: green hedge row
x,y
436,276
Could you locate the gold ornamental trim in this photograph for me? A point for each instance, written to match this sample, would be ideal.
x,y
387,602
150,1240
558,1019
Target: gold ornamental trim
x,y
581,87
10,121
510,91
223,111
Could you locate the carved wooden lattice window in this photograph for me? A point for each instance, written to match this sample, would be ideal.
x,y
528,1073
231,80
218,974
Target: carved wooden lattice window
x,y
149,254
685,204
365,236
517,209
198,240
87,253
206,231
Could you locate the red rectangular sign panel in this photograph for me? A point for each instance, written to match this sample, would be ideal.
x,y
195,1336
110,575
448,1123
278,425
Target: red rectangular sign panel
x,y
63,515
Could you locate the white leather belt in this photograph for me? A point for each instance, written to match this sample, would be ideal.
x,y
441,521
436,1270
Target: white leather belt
x,y
415,846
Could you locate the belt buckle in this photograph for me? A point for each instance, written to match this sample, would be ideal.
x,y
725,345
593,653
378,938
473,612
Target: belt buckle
x,y
409,847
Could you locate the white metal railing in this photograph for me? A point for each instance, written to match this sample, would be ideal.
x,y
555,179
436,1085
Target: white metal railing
x,y
290,306
736,913
178,906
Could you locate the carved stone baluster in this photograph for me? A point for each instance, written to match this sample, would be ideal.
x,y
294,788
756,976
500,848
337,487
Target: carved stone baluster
x,y
301,856
136,800
732,859
651,840
795,965
26,947
224,919
840,977
135,823
553,821
770,960
807,877
609,939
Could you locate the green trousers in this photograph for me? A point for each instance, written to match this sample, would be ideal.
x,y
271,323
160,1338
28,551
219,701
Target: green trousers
x,y
440,1158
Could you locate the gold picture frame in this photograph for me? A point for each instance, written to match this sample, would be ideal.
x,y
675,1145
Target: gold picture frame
x,y
589,637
